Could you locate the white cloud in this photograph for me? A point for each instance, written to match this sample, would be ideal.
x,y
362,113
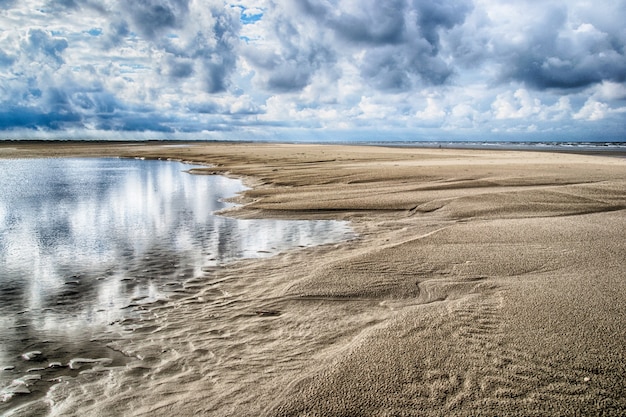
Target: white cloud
x,y
516,105
562,109
371,109
592,110
434,110
472,65
608,91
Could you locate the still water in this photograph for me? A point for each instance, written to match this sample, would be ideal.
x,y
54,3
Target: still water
x,y
82,239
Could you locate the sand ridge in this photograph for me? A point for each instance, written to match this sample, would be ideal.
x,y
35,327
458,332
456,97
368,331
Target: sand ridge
x,y
483,283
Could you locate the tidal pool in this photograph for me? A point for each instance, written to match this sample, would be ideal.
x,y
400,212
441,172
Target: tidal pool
x,y
82,239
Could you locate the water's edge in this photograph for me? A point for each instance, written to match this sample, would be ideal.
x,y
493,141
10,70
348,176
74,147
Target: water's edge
x,y
38,380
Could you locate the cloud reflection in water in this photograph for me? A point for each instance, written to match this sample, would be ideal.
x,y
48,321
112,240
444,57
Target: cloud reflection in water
x,y
82,238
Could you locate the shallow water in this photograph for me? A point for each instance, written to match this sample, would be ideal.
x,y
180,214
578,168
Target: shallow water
x,y
81,240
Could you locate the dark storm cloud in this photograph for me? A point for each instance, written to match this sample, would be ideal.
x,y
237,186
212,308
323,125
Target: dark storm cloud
x,y
434,16
178,67
568,72
399,68
376,23
116,32
290,66
556,57
64,6
57,108
34,118
399,38
40,45
152,17
58,100
102,111
209,52
291,71
98,103
389,22
139,123
219,61
409,54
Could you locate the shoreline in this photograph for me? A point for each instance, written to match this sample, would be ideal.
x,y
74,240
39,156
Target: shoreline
x,y
586,148
485,280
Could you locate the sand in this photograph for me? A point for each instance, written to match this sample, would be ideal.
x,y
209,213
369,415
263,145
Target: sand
x,y
482,283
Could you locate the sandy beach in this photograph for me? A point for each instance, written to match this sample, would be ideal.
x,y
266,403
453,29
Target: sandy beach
x,y
483,282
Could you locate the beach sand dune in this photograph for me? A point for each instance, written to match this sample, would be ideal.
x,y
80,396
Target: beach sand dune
x,y
482,283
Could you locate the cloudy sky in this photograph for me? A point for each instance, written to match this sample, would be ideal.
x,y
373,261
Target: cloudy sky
x,y
314,69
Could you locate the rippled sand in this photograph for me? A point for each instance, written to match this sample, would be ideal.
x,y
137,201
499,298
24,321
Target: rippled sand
x,y
483,283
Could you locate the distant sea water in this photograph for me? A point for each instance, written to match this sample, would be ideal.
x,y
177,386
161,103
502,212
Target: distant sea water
x,y
582,147
615,147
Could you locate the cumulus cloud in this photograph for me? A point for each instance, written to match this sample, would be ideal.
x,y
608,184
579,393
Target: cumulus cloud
x,y
395,44
292,51
592,110
368,22
460,67
562,49
434,110
190,38
517,105
153,17
112,61
43,48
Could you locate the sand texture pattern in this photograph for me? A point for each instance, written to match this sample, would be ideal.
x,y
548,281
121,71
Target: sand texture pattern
x,y
482,283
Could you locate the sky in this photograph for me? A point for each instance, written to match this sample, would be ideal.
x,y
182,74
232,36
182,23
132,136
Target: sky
x,y
325,70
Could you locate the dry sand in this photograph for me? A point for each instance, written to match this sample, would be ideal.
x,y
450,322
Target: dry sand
x,y
483,283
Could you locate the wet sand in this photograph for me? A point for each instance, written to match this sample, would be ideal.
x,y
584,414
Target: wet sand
x,y
483,283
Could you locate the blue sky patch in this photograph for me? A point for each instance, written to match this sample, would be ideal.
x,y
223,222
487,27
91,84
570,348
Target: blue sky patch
x,y
249,17
95,31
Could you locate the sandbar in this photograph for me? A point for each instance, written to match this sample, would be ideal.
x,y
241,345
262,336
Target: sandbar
x,y
483,282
